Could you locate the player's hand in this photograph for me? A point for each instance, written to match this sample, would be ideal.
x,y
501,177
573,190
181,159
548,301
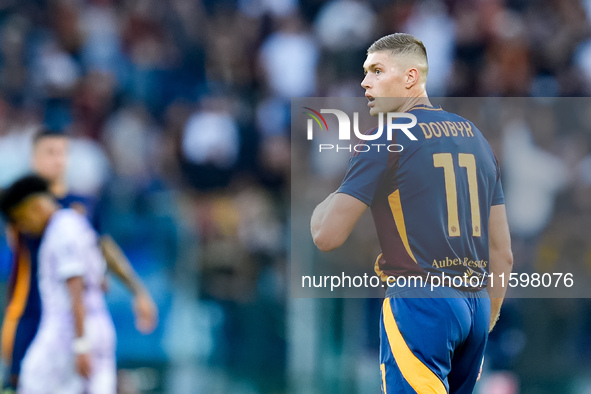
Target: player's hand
x,y
146,313
83,365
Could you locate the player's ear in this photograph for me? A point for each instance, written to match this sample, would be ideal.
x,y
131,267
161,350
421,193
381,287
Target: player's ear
x,y
38,205
412,77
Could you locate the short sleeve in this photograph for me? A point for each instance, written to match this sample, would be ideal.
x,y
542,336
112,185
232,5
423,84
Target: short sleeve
x,y
68,249
498,195
70,261
363,176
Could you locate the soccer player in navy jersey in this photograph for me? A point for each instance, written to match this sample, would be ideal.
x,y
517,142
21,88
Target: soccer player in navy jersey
x,y
23,311
438,208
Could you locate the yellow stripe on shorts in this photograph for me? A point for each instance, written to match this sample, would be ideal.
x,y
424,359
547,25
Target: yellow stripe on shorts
x,y
417,374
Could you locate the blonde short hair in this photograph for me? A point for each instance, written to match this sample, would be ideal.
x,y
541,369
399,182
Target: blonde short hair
x,y
405,45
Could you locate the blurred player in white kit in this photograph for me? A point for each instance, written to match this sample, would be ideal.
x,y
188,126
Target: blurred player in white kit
x,y
74,349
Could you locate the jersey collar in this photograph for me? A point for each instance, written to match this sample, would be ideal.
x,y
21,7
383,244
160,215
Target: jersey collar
x,y
426,107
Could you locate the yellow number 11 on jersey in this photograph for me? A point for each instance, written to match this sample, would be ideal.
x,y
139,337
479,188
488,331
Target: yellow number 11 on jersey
x,y
466,160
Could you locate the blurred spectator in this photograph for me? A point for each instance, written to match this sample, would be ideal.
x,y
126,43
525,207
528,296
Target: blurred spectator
x,y
260,8
101,50
345,24
210,145
433,25
89,167
132,139
15,148
13,74
533,177
288,75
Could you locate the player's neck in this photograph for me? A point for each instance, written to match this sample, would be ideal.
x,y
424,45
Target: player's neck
x,y
50,207
58,188
412,102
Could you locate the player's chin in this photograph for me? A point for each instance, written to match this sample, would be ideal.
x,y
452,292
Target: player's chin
x,y
373,111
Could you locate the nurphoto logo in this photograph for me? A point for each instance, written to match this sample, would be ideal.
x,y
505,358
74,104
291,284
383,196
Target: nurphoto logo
x,y
345,129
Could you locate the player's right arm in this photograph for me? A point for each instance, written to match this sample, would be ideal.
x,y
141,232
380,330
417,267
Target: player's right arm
x,y
80,345
501,259
333,220
64,241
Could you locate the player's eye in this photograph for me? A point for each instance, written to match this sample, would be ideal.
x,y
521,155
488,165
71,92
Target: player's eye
x,y
378,71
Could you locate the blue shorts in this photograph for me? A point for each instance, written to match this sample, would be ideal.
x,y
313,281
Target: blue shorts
x,y
432,341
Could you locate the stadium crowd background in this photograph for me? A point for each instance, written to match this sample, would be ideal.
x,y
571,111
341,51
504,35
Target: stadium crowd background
x,y
179,113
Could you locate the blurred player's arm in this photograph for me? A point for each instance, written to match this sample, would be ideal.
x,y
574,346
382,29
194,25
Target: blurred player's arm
x,y
145,310
501,259
80,345
334,219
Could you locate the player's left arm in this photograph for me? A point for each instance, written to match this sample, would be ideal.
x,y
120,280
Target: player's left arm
x,y
501,259
145,309
334,219
500,254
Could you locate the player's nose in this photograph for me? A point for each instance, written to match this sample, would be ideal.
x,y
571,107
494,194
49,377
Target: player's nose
x,y
365,83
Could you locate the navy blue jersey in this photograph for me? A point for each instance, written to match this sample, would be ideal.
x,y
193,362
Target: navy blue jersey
x,y
86,205
431,201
